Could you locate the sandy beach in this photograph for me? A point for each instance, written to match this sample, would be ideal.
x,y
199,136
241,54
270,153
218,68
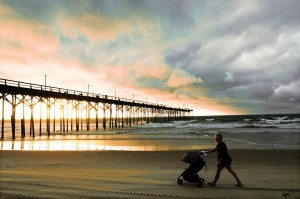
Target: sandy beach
x,y
126,174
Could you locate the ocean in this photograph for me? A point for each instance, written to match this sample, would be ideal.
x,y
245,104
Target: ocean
x,y
195,133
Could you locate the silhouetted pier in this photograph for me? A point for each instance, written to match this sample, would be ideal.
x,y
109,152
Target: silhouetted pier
x,y
73,107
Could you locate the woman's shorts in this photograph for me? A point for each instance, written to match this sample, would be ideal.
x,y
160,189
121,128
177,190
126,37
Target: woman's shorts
x,y
225,162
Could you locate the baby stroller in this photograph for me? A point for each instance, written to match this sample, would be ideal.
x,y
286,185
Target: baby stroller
x,y
191,173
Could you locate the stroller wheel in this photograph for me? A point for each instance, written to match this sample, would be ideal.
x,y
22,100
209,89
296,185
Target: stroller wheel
x,y
200,184
179,181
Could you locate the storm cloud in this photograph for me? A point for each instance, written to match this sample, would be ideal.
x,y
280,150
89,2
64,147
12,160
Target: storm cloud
x,y
219,57
251,55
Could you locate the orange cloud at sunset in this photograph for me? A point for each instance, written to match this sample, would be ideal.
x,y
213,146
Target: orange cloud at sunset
x,y
226,63
94,27
180,78
27,35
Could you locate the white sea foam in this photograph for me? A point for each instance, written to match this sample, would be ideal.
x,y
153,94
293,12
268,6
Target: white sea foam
x,y
239,131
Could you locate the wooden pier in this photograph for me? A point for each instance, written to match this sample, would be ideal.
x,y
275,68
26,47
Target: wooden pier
x,y
73,107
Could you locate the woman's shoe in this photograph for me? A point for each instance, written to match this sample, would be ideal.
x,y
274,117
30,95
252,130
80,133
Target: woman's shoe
x,y
239,185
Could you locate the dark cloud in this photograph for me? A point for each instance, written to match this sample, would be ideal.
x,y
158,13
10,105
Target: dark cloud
x,y
246,53
252,56
149,82
234,17
175,11
36,10
279,13
181,56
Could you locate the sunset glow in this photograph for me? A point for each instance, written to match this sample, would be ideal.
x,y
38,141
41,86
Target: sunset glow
x,y
217,58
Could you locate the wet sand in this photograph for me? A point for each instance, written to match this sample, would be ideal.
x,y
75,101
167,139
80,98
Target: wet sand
x,y
127,174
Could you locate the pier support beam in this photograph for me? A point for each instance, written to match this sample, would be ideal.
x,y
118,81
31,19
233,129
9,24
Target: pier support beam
x,y
116,118
13,117
77,116
110,116
41,112
88,115
54,108
2,122
48,116
67,104
15,93
104,117
31,118
122,110
96,109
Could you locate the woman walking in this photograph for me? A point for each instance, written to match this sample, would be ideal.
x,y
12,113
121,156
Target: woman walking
x,y
224,160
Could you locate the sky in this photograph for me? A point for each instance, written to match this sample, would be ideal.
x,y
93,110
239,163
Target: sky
x,y
213,56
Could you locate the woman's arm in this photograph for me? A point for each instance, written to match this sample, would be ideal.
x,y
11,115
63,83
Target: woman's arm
x,y
212,150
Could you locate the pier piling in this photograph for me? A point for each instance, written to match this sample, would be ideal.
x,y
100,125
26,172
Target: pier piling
x,y
76,106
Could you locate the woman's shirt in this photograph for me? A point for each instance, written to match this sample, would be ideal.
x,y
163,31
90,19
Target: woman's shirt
x,y
222,151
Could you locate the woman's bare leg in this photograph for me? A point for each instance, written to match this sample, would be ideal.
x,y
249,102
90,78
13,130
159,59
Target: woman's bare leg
x,y
230,169
217,176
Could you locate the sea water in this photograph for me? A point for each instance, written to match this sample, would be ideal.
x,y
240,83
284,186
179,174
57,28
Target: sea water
x,y
196,133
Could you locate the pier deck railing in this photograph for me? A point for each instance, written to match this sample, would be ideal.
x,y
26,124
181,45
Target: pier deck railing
x,y
43,90
117,109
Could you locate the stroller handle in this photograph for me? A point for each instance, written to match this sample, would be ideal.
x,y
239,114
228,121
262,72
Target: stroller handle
x,y
203,153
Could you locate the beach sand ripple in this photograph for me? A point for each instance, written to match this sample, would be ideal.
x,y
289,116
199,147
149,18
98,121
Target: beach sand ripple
x,y
124,174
